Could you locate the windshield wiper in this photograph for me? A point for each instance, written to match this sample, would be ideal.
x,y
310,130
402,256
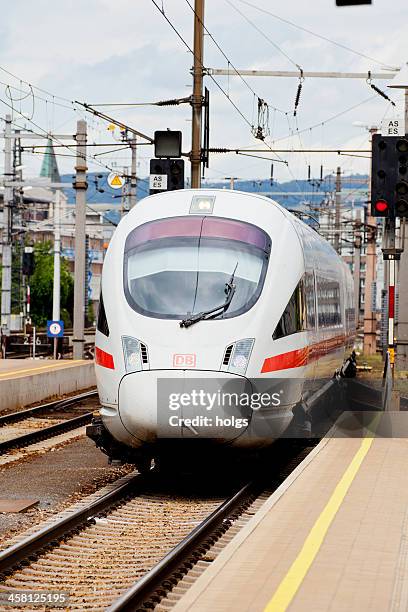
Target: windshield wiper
x,y
214,312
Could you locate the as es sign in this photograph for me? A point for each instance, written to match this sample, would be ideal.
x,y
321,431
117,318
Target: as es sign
x,y
393,127
158,181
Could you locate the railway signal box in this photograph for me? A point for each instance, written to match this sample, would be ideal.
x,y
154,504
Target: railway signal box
x,y
28,261
167,143
389,176
166,175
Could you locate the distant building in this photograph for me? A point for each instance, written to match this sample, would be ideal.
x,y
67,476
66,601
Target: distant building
x,y
49,167
33,218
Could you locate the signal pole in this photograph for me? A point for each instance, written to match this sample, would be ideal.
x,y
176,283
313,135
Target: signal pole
x,y
56,295
6,241
357,267
232,180
402,322
390,256
124,194
80,239
370,320
337,243
197,97
133,176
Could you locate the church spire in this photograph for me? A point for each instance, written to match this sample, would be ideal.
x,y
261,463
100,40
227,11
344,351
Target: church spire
x,y
49,166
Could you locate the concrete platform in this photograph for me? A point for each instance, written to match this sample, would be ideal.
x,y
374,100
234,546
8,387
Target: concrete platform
x,y
333,537
26,381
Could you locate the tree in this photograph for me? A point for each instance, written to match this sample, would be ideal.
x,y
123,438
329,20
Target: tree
x,y
41,286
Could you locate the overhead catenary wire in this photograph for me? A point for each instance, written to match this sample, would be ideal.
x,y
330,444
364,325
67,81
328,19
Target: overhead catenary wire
x,y
48,93
333,42
297,131
230,64
301,146
30,92
13,100
52,97
269,159
173,27
76,110
139,180
89,158
293,133
28,149
301,71
89,144
264,35
185,43
320,123
7,93
47,134
46,226
120,124
52,101
72,104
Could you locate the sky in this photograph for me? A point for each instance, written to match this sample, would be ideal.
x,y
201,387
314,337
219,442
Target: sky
x,y
125,52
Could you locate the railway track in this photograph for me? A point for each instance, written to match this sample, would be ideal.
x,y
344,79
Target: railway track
x,y
33,422
131,546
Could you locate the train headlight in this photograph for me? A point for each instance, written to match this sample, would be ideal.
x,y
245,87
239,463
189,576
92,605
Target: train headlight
x,y
202,205
240,356
132,354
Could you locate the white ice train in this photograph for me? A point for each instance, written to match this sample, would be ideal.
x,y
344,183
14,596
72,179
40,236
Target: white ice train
x,y
222,290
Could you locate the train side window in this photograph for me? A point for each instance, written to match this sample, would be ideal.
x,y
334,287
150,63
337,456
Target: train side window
x,y
293,319
102,323
310,294
328,301
350,313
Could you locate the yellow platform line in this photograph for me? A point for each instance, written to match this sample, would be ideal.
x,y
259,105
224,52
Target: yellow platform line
x,y
13,373
290,584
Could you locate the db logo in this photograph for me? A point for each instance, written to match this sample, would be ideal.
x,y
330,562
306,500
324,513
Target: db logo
x,y
188,361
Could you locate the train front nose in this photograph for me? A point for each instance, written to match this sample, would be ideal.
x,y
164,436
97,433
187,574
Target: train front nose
x,y
184,404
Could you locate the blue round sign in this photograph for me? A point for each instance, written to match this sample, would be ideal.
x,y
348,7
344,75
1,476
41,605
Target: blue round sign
x,y
55,329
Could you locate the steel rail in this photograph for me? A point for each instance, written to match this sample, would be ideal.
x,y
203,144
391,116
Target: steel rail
x,y
33,544
174,565
145,587
170,570
46,432
14,417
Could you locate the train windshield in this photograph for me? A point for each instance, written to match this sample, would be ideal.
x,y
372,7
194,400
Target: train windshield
x,y
180,266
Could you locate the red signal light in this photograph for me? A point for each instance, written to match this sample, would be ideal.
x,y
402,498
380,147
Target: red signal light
x,y
381,206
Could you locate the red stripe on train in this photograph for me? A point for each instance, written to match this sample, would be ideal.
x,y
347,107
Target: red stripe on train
x,y
285,361
301,357
104,359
